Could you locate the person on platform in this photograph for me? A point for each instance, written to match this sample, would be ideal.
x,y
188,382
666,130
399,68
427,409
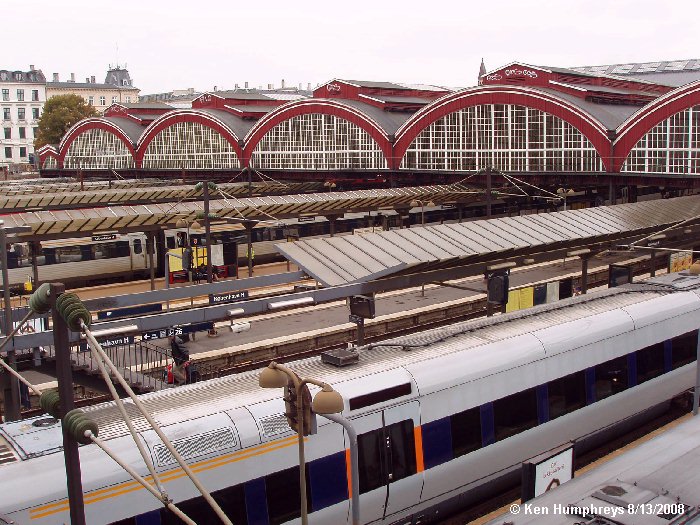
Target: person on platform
x,y
181,359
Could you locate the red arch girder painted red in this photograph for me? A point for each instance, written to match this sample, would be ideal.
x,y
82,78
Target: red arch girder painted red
x,y
505,95
88,125
657,112
174,118
306,108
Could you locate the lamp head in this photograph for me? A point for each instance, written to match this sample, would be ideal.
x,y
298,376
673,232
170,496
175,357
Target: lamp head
x,y
327,401
694,268
271,377
415,203
181,223
196,225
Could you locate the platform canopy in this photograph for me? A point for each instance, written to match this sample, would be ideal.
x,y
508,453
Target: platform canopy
x,y
359,258
269,209
65,196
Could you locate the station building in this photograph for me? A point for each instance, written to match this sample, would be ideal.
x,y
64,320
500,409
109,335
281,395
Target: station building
x,y
630,121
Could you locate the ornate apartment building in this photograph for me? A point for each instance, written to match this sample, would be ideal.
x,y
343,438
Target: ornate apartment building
x,y
117,88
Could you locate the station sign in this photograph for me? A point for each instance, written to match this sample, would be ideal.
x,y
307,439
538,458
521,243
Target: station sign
x,y
121,340
177,330
547,471
129,312
104,237
230,297
310,218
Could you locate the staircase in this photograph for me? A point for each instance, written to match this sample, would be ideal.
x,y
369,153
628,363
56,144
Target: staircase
x,y
139,363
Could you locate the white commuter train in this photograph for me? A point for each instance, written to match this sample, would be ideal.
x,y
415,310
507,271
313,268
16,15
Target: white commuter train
x,y
442,421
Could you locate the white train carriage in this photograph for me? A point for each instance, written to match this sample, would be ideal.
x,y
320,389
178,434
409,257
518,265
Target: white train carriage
x,y
443,417
80,258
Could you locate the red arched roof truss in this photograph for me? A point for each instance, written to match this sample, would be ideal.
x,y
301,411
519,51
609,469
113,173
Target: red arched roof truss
x,y
591,128
47,151
92,123
640,123
170,119
326,107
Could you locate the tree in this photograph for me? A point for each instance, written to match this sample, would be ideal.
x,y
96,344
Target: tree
x,y
60,114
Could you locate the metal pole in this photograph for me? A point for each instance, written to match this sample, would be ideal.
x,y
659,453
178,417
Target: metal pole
x,y
696,390
167,277
207,229
354,463
249,236
150,248
422,212
35,266
584,274
361,331
488,193
250,181
302,459
652,262
64,374
11,401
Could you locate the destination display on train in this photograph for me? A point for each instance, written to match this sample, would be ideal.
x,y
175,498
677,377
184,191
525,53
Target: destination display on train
x,y
230,297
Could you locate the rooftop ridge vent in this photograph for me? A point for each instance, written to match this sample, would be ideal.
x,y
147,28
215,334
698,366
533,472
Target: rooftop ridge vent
x,y
196,445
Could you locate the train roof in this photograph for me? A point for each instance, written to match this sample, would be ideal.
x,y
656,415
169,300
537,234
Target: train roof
x,y
661,472
402,359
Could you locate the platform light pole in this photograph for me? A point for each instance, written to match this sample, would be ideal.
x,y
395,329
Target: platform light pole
x,y
417,202
327,401
11,397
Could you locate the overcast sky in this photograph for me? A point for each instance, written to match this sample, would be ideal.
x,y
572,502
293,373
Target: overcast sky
x,y
201,44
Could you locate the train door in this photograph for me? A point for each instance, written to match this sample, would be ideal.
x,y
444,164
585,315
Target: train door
x,y
388,461
137,245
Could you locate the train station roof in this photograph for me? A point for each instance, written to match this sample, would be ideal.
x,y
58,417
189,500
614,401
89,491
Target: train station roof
x,y
85,221
57,197
335,261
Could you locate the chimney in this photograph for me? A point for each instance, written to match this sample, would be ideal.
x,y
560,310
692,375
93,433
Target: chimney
x,y
55,77
308,86
92,79
299,86
31,68
282,83
87,80
269,86
72,77
235,86
214,89
246,85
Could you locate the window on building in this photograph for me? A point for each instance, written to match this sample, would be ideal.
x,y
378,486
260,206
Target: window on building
x,y
8,153
567,394
5,94
515,413
114,100
35,131
91,101
8,133
128,99
35,113
22,132
103,100
20,95
21,113
35,95
6,113
23,152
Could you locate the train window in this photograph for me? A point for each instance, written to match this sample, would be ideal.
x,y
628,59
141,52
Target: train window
x,y
170,243
466,431
403,450
684,349
282,492
68,254
437,442
515,413
328,481
232,502
379,396
123,249
567,394
611,377
87,252
105,250
138,247
650,362
49,256
370,446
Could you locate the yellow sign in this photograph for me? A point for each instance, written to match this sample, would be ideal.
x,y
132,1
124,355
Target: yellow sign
x,y
681,261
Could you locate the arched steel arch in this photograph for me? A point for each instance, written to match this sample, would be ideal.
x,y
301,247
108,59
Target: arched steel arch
x,y
187,115
325,107
588,125
93,123
641,122
47,151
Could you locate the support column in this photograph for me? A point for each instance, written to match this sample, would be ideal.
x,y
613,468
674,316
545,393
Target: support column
x,y
460,213
488,193
34,249
584,274
249,253
10,383
207,229
611,193
150,249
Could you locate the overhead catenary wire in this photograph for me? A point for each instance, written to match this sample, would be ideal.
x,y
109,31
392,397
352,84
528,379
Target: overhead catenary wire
x,y
95,345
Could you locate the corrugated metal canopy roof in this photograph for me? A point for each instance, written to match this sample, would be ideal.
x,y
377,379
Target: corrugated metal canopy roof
x,y
270,208
349,259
